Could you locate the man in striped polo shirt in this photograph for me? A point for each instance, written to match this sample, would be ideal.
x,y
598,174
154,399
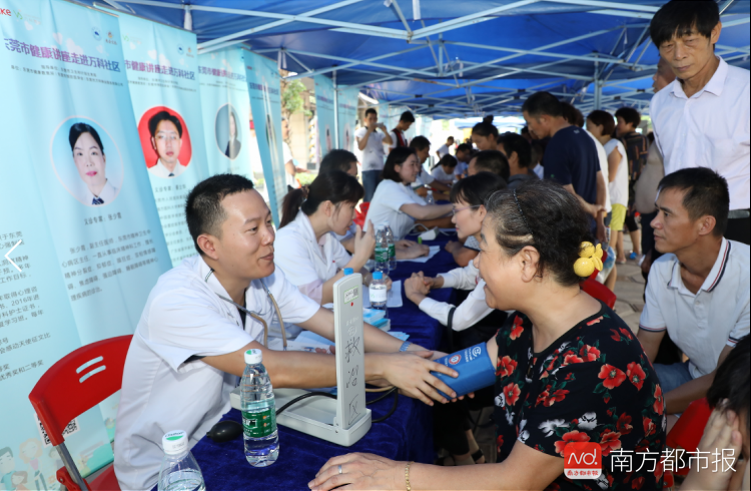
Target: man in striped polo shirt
x,y
698,291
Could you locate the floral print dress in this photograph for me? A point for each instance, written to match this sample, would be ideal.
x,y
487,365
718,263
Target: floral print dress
x,y
593,384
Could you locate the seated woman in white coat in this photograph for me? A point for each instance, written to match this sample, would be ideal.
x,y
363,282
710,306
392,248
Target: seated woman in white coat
x,y
396,204
468,197
310,256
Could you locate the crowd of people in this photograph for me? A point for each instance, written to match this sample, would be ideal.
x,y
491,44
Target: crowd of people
x,y
526,208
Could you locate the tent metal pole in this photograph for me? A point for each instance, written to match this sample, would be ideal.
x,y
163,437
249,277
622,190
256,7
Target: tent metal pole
x,y
531,52
395,4
608,5
336,110
352,63
468,19
283,19
737,22
547,46
598,86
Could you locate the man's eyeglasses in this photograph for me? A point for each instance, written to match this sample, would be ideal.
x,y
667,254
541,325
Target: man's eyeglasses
x,y
456,210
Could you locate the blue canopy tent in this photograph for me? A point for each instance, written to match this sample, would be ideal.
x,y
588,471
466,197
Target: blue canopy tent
x,y
451,59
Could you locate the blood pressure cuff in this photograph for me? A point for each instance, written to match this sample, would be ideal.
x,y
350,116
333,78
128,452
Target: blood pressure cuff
x,y
476,370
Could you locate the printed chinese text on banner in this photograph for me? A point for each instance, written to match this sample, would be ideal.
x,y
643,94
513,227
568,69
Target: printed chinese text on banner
x,y
162,67
266,104
229,129
324,89
88,242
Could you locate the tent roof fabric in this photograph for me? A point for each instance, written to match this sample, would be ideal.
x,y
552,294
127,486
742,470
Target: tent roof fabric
x,y
447,58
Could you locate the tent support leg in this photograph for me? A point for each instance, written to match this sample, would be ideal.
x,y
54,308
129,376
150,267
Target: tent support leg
x,y
336,112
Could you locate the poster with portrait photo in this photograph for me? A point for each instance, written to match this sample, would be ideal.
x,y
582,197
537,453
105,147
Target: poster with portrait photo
x,y
227,131
87,161
78,215
165,141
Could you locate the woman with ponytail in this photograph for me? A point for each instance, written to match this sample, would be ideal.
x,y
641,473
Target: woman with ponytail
x,y
306,250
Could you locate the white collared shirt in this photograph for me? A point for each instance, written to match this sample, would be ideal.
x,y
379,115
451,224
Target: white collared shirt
x,y
161,170
619,186
306,262
471,310
385,207
107,195
162,390
700,324
602,156
710,129
373,154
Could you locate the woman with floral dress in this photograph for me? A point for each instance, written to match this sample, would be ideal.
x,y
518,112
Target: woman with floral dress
x,y
568,369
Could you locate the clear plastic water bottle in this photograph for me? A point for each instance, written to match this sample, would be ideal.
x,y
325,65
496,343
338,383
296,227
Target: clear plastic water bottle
x,y
179,471
259,412
429,198
378,292
392,247
382,249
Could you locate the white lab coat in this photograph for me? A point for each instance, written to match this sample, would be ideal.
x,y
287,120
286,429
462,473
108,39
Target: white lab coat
x,y
471,310
163,389
308,263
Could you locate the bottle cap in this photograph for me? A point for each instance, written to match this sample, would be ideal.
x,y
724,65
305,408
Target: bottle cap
x,y
253,357
175,442
377,275
348,271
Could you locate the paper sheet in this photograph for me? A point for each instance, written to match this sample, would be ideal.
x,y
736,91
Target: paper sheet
x,y
433,251
395,296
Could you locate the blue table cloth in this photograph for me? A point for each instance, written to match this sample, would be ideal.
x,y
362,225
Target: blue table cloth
x,y
406,435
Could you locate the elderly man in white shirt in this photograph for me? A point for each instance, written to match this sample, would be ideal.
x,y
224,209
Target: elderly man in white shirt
x,y
370,142
698,291
702,118
187,351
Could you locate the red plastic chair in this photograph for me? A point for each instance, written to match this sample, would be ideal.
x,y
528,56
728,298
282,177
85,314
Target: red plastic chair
x,y
361,214
72,386
599,291
688,430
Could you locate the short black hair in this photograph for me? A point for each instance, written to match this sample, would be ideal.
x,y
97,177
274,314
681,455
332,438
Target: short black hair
x,y
464,147
541,214
485,129
337,159
475,190
448,160
731,381
572,114
542,104
514,143
79,129
370,110
397,157
419,143
450,138
604,119
407,117
203,208
706,194
493,161
5,450
680,18
629,115
164,116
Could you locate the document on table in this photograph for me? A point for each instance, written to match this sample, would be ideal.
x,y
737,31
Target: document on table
x,y
394,300
433,251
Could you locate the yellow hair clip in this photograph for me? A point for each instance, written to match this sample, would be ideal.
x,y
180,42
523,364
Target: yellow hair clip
x,y
590,259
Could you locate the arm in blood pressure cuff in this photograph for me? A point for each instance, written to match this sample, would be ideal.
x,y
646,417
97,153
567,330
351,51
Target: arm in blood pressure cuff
x,y
475,369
